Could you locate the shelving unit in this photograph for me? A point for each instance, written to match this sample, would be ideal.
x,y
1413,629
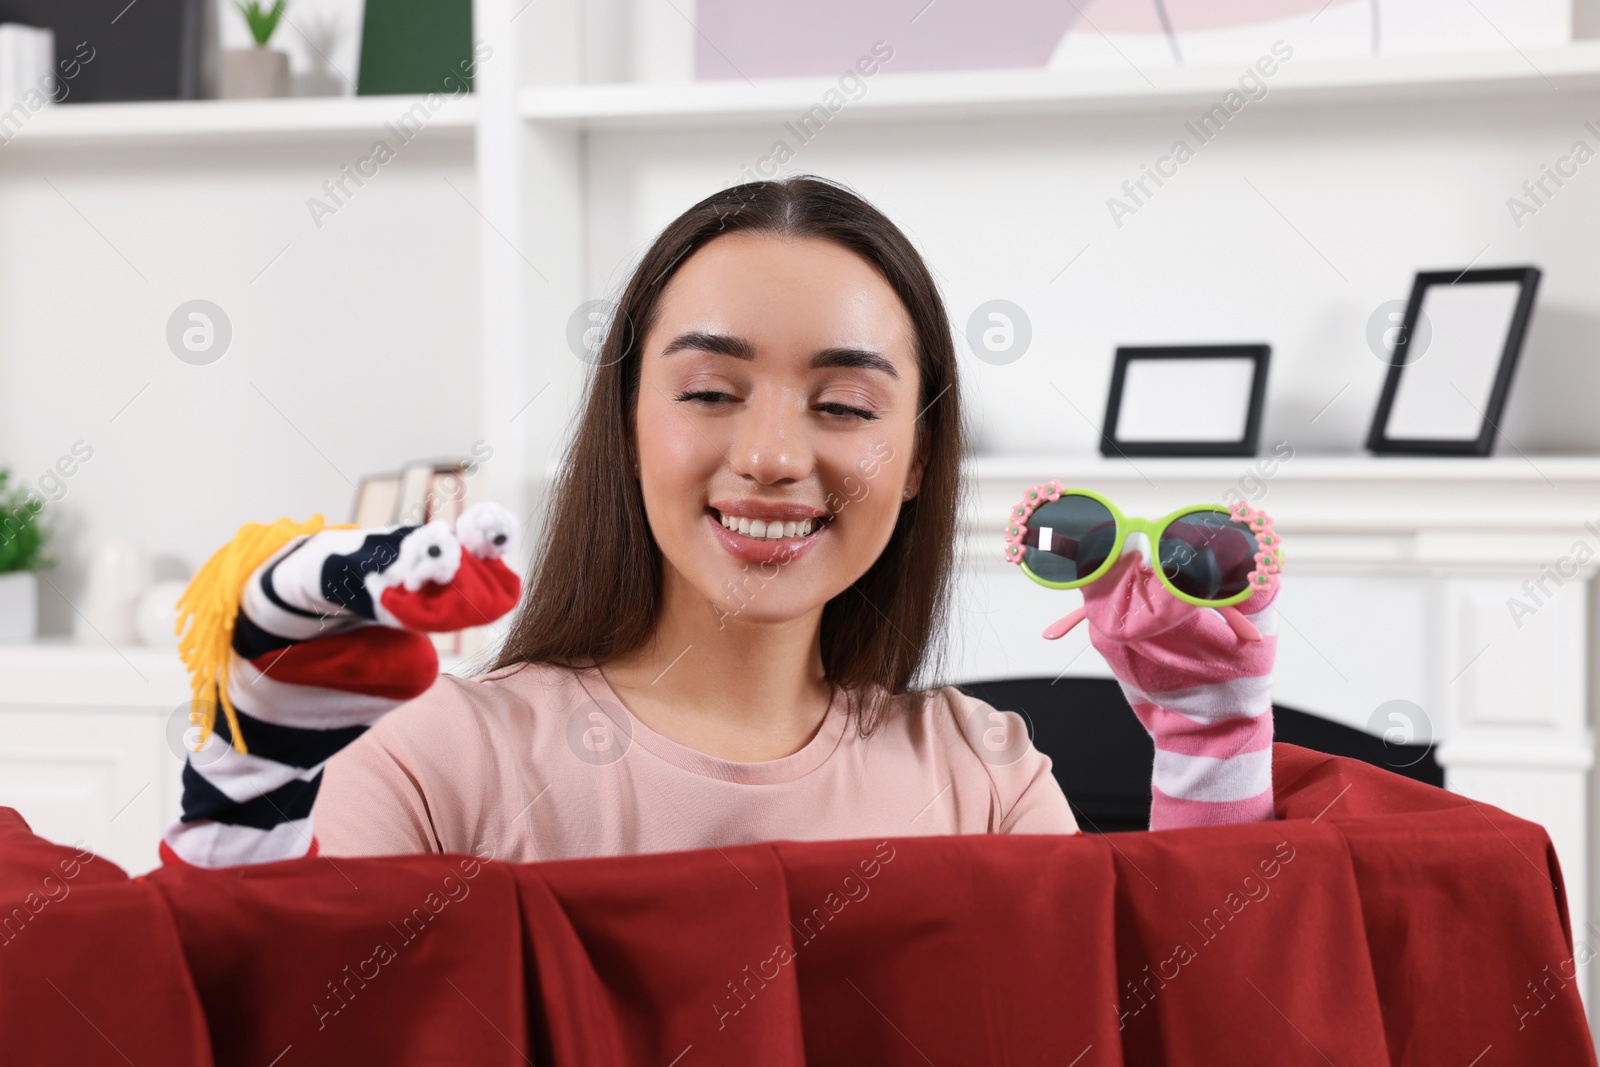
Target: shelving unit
x,y
893,97
1008,93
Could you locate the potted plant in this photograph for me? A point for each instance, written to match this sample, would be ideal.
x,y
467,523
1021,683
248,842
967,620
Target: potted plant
x,y
22,539
259,71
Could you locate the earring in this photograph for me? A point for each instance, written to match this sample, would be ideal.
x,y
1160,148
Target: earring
x,y
905,494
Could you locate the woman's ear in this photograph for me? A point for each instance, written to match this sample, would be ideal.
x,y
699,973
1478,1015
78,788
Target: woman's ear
x,y
914,476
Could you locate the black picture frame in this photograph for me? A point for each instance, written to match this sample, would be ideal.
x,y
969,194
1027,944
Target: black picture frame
x,y
1260,354
1378,440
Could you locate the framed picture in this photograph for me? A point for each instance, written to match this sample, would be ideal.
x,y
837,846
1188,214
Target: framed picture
x,y
377,500
1187,400
1451,362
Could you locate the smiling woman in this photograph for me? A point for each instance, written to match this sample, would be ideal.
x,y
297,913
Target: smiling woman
x,y
745,566
777,341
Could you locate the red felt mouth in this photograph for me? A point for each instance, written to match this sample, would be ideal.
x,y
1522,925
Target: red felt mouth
x,y
481,592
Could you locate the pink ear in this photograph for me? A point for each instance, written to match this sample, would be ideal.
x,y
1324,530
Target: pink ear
x,y
1061,627
1242,626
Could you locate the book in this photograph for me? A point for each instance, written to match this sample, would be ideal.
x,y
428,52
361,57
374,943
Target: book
x,y
377,500
27,63
416,46
114,50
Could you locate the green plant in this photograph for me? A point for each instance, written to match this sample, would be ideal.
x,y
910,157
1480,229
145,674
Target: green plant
x,y
22,535
262,22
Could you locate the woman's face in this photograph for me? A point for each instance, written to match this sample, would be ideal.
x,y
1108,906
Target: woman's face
x,y
779,382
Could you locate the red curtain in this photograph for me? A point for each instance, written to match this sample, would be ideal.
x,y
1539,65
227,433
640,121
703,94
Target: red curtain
x,y
1379,921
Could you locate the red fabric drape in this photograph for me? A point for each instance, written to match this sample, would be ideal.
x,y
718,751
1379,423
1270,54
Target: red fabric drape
x,y
1379,921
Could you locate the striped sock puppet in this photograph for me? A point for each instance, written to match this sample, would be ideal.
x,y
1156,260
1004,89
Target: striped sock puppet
x,y
1199,687
304,635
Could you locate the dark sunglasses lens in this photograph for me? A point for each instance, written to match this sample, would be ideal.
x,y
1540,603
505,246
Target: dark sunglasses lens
x,y
1068,539
1208,554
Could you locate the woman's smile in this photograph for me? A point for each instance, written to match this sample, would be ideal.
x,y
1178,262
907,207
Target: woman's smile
x,y
758,533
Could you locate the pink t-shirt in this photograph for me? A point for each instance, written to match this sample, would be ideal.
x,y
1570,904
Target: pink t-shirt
x,y
539,762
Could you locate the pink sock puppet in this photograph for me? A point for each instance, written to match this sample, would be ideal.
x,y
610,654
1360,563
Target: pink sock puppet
x,y
1198,677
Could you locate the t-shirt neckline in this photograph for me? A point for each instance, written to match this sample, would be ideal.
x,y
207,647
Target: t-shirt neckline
x,y
763,772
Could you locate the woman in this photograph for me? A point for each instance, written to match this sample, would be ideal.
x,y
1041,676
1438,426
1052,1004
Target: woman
x,y
747,558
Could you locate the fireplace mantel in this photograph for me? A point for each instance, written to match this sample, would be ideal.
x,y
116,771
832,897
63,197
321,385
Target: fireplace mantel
x,y
1402,581
1382,513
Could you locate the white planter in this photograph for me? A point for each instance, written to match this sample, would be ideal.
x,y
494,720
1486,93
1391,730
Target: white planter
x,y
249,73
19,606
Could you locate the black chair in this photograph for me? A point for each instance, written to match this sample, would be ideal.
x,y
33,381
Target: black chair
x,y
1102,756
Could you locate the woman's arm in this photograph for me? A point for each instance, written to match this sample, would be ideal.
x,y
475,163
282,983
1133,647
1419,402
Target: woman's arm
x,y
1028,799
371,802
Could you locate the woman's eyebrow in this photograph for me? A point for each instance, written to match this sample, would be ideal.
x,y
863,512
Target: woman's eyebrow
x,y
854,357
739,348
720,343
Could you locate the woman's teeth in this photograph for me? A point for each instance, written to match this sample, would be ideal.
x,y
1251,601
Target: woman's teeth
x,y
769,531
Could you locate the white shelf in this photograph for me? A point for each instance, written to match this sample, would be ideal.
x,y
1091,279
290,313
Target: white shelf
x,y
233,120
987,94
1506,515
1303,467
60,672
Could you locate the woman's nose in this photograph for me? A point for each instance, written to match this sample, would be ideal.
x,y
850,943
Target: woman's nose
x,y
771,441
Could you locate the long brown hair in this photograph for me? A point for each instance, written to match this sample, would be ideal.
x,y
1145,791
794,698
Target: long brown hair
x,y
595,588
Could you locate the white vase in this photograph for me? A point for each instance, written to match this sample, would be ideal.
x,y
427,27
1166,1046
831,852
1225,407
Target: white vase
x,y
19,606
251,73
119,573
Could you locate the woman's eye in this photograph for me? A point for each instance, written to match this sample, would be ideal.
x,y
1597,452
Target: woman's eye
x,y
847,411
708,395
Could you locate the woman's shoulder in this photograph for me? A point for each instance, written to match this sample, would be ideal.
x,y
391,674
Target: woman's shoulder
x,y
521,680
947,714
986,749
496,699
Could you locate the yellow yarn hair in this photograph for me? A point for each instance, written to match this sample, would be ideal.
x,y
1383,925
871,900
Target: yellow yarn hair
x,y
209,606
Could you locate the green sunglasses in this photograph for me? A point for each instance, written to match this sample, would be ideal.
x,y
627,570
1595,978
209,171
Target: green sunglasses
x,y
1209,556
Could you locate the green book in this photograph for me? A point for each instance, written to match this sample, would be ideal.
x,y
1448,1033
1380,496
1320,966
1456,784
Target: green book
x,y
416,46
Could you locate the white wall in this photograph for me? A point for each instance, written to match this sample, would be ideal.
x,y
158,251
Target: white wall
x,y
354,351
